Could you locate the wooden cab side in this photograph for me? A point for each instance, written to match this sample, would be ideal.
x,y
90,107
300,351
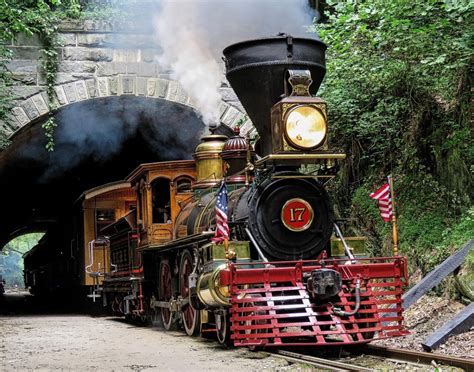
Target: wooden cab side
x,y
162,189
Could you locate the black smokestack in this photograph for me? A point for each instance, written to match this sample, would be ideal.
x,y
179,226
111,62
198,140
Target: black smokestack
x,y
193,33
256,70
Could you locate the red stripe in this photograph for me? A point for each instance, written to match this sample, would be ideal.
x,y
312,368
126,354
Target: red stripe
x,y
384,201
382,193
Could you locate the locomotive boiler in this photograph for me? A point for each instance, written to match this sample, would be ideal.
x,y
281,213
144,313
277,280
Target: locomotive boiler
x,y
285,274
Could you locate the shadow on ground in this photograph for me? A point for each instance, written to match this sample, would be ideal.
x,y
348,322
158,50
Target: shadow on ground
x,y
17,303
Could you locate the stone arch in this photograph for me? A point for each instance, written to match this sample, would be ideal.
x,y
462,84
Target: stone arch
x,y
34,108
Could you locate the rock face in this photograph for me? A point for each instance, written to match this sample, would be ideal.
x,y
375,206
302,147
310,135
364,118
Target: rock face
x,y
99,59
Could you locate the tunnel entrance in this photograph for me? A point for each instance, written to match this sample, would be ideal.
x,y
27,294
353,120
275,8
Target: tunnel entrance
x,y
11,261
97,141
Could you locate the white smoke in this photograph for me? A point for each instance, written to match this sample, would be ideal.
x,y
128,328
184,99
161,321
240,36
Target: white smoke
x,y
193,33
188,58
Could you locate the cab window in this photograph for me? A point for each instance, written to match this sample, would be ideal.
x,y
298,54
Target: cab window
x,y
183,185
160,191
103,217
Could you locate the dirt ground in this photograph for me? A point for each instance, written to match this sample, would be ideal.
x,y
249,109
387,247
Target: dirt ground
x,y
43,340
427,315
83,343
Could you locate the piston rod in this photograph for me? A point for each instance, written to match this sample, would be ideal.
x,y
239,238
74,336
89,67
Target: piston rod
x,y
346,247
254,242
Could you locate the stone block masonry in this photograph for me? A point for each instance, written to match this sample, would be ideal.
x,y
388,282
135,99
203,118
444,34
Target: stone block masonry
x,y
98,59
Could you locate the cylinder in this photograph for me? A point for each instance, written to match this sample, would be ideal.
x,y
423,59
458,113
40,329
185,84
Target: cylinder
x,y
210,291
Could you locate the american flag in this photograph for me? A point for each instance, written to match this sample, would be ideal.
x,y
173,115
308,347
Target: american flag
x,y
222,227
384,201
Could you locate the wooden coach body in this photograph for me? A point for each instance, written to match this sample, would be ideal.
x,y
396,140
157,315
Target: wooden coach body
x,y
97,208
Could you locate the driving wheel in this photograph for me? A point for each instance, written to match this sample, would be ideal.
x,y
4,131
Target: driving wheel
x,y
190,316
166,293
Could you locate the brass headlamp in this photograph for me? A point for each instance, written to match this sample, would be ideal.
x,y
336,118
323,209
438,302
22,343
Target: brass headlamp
x,y
305,127
299,121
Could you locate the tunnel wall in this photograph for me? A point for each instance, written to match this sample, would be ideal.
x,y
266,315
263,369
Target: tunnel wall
x,y
98,59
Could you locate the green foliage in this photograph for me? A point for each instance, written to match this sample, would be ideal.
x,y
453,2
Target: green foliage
x,y
394,73
425,210
31,17
48,126
453,237
11,258
431,225
399,93
101,11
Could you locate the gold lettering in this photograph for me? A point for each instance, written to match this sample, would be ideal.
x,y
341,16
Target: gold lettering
x,y
296,214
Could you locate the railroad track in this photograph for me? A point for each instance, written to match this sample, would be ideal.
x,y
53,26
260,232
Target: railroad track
x,y
326,364
419,357
388,354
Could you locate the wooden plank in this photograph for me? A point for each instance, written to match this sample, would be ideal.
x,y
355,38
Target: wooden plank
x,y
436,276
462,322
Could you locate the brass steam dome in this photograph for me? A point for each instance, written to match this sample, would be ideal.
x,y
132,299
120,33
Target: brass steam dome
x,y
208,161
234,153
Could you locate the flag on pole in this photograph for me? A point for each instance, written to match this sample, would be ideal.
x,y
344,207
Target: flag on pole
x,y
384,201
222,227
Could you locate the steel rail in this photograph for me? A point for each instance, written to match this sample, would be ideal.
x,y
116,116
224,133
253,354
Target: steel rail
x,y
419,357
329,365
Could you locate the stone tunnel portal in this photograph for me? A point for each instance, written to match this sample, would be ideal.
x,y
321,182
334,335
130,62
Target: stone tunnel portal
x,y
96,141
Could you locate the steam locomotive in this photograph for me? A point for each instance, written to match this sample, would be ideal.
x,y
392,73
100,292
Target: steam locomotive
x,y
286,275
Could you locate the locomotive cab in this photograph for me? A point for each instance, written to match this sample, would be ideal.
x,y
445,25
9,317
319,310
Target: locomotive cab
x,y
162,189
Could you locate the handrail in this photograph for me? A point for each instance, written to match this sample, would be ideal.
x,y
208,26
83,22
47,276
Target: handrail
x,y
347,249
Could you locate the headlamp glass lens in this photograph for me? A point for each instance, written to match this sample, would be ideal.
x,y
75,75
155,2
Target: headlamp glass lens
x,y
305,127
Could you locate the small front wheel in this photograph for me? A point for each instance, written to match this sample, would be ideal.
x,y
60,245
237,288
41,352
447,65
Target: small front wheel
x,y
223,328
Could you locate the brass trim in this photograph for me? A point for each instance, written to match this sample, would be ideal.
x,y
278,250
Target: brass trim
x,y
300,81
304,227
207,155
204,316
320,156
209,290
299,177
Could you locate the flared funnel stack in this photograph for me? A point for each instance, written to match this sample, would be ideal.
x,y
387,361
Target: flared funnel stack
x,y
256,71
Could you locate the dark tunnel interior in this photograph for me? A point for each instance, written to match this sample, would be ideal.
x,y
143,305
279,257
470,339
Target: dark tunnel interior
x,y
96,142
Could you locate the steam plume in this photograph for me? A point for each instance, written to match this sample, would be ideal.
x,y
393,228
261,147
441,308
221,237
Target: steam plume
x,y
191,64
193,33
107,125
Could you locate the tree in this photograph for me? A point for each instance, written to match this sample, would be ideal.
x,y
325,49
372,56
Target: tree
x,y
399,93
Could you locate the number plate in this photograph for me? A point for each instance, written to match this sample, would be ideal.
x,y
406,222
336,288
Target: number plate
x,y
297,214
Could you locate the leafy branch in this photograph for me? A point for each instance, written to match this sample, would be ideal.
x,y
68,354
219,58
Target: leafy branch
x,y
31,17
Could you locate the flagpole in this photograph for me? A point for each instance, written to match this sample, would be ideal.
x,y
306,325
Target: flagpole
x,y
394,218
